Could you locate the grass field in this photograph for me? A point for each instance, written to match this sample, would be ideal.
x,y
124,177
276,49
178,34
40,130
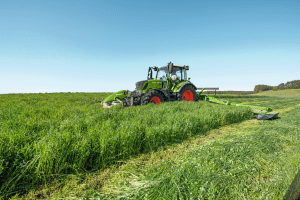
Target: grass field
x,y
45,138
250,160
281,93
247,160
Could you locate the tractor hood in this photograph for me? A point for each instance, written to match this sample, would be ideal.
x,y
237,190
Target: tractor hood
x,y
139,85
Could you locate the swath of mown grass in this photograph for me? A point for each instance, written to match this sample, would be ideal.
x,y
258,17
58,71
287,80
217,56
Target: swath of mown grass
x,y
45,136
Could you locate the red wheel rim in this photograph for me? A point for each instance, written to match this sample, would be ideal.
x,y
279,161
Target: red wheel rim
x,y
156,99
188,96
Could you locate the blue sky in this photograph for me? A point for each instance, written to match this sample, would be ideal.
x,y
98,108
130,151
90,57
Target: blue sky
x,y
107,46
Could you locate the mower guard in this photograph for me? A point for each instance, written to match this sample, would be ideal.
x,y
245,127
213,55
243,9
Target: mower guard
x,y
114,99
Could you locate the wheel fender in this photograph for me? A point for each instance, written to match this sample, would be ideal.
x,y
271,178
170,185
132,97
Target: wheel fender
x,y
184,84
163,94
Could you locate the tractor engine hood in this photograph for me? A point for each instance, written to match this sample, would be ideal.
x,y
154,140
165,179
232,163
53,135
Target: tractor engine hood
x,y
139,85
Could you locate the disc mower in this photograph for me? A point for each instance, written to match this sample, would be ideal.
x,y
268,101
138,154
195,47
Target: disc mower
x,y
170,83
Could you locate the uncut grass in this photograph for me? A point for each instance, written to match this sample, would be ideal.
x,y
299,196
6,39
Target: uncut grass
x,y
258,162
44,137
287,93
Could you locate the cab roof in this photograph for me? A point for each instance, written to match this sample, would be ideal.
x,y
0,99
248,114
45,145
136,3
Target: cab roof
x,y
171,65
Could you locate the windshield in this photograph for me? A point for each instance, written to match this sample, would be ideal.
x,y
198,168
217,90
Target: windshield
x,y
179,73
162,74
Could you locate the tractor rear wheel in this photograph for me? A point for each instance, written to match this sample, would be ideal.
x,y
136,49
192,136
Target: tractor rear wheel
x,y
188,93
153,96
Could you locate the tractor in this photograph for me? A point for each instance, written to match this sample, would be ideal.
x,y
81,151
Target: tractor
x,y
166,83
171,84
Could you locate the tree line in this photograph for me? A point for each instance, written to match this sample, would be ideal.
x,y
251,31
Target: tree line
x,y
295,84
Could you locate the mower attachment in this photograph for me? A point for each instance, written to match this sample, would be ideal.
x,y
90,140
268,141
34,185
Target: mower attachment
x,y
260,113
110,104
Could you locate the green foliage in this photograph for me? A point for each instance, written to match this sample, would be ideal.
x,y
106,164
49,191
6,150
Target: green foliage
x,y
295,84
281,86
43,137
261,88
275,88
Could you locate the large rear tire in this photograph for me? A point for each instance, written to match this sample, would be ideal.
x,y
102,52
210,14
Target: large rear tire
x,y
152,96
187,93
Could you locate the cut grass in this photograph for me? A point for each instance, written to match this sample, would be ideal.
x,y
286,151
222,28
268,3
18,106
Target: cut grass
x,y
47,137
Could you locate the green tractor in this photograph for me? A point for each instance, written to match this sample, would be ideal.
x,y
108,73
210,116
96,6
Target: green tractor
x,y
171,84
166,83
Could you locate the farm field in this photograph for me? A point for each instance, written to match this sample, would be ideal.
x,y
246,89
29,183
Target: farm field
x,y
50,138
247,160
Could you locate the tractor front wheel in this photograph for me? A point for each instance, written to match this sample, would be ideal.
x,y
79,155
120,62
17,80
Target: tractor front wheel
x,y
152,97
188,93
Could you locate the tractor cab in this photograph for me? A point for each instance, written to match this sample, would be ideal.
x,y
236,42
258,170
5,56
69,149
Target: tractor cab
x,y
171,75
177,75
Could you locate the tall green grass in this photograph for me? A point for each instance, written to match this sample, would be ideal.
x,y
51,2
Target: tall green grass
x,y
258,163
255,162
47,136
